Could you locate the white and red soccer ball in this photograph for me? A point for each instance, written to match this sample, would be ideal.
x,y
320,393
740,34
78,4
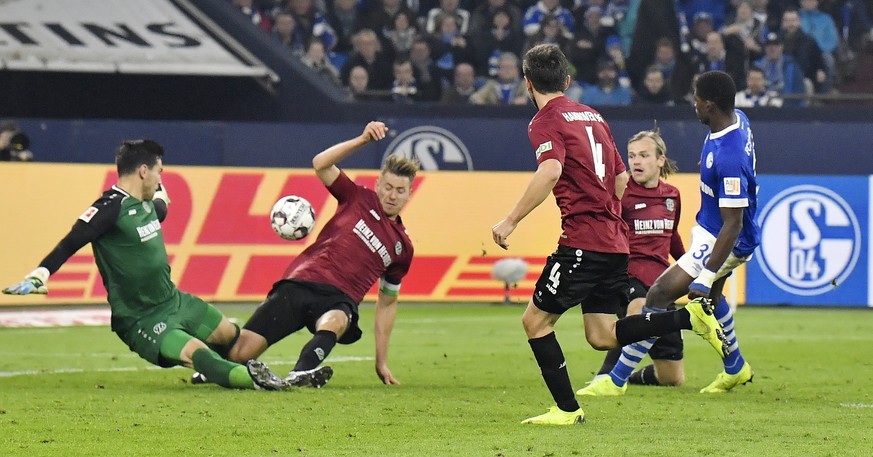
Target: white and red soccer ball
x,y
292,217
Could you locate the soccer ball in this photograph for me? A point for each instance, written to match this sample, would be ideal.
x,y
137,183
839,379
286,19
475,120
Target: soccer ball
x,y
292,217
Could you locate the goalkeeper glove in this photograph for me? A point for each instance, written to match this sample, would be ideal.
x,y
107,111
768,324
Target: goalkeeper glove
x,y
34,283
702,284
161,194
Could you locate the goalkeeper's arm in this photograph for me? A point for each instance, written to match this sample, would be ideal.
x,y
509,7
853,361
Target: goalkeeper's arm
x,y
98,219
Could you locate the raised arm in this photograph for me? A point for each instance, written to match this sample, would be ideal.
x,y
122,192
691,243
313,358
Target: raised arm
x,y
325,161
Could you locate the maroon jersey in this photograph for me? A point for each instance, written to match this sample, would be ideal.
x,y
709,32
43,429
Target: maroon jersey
x,y
652,216
578,137
356,246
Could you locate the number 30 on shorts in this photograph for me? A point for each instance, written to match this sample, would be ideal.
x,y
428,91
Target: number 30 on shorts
x,y
702,255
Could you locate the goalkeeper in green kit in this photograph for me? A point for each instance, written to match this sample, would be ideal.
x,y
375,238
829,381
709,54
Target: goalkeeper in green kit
x,y
162,324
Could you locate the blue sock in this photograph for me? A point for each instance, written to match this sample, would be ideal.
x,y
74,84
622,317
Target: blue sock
x,y
734,361
631,355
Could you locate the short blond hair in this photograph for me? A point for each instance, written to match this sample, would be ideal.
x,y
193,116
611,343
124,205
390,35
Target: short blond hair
x,y
400,165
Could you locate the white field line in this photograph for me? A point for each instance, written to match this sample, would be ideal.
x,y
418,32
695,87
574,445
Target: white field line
x,y
11,374
856,405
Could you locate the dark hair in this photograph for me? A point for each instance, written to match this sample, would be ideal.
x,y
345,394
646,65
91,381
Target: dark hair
x,y
665,42
717,87
547,68
133,153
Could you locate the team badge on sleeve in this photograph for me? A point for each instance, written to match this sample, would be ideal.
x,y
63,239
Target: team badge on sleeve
x,y
732,186
88,214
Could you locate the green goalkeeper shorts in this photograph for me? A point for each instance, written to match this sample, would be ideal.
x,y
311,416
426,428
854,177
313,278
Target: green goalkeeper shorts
x,y
186,312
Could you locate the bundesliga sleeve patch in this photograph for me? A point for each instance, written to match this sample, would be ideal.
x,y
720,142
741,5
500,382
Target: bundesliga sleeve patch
x,y
547,146
88,214
732,186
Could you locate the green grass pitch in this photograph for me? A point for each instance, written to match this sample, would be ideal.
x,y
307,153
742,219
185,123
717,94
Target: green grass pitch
x,y
468,379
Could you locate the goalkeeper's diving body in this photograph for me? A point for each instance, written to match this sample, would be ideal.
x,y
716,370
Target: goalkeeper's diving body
x,y
363,242
162,324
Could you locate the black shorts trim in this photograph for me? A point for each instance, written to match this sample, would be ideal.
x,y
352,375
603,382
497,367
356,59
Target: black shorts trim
x,y
595,280
293,304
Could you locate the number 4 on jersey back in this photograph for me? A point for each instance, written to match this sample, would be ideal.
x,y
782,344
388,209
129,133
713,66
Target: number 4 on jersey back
x,y
597,151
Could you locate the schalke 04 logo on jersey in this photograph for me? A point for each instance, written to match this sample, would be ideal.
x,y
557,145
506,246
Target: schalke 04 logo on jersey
x,y
810,240
436,148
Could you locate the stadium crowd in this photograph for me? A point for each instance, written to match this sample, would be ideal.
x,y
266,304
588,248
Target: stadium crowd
x,y
622,52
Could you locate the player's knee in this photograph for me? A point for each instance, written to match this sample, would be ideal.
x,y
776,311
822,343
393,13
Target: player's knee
x,y
178,346
672,379
334,320
600,341
534,326
670,373
224,334
635,306
248,346
658,296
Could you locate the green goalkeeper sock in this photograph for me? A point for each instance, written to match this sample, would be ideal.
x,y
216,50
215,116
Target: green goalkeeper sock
x,y
220,371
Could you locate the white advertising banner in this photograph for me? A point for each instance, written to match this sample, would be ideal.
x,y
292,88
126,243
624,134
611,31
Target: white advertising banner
x,y
108,36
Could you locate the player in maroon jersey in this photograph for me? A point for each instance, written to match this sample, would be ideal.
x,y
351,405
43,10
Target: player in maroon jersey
x,y
321,289
651,208
579,163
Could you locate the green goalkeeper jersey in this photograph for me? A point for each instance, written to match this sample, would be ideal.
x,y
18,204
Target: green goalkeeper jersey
x,y
129,249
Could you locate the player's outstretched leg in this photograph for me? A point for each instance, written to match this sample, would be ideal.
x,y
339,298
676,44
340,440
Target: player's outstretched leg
x,y
211,366
736,370
181,347
704,323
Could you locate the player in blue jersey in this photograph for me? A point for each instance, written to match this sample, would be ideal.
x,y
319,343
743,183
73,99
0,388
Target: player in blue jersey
x,y
726,233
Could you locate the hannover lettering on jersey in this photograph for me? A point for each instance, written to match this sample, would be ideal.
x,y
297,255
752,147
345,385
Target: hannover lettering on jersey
x,y
148,231
372,241
582,116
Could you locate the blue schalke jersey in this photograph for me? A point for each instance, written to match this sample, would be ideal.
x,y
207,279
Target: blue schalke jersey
x,y
727,180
